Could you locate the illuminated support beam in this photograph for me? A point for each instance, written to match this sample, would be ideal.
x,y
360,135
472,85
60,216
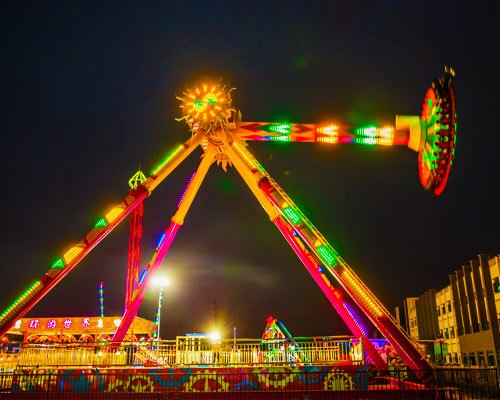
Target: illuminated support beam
x,y
248,168
358,291
333,263
102,228
70,259
333,295
164,244
158,256
371,134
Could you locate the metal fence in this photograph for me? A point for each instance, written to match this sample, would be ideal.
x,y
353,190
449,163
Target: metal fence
x,y
189,351
313,383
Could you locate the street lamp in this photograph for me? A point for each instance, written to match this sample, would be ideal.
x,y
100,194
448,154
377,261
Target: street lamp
x,y
160,282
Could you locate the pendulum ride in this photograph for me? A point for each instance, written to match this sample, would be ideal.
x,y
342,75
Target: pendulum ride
x,y
223,136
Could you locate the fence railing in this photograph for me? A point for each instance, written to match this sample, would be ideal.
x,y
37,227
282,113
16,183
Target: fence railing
x,y
189,351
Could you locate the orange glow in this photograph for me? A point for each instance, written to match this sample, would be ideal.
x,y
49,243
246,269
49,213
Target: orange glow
x,y
73,252
330,130
205,103
114,213
386,136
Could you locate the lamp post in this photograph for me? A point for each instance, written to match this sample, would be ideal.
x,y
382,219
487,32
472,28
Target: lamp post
x,y
160,282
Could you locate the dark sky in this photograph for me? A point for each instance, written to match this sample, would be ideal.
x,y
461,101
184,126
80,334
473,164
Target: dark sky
x,y
88,95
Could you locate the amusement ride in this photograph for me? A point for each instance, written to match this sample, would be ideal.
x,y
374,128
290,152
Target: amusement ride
x,y
216,126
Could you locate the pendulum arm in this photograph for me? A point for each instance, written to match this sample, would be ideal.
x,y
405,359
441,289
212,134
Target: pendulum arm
x,y
384,135
432,135
164,244
310,261
103,227
333,263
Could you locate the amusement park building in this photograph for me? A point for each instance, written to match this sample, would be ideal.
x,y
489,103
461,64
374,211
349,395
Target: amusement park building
x,y
462,319
410,307
72,329
447,346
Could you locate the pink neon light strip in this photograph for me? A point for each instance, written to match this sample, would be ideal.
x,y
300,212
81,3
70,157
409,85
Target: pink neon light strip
x,y
153,266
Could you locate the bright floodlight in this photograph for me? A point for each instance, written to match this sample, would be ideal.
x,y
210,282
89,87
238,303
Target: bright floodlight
x,y
215,337
161,281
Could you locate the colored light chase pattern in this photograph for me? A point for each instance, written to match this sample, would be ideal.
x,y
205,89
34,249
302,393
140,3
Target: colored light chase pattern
x,y
20,300
327,255
166,159
101,300
292,215
188,380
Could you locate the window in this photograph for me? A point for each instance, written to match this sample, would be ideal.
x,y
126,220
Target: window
x,y
443,309
496,285
446,334
472,359
491,358
439,311
452,331
449,306
480,358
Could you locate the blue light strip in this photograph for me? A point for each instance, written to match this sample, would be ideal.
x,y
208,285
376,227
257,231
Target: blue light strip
x,y
144,273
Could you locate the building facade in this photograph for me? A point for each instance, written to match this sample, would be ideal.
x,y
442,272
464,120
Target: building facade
x,y
410,311
448,341
460,323
476,313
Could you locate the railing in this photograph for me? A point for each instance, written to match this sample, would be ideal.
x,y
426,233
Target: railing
x,y
189,351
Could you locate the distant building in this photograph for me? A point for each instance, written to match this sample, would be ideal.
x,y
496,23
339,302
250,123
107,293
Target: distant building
x,y
494,264
448,340
427,323
459,324
476,312
410,307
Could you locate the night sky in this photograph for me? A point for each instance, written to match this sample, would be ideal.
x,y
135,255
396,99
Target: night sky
x,y
88,95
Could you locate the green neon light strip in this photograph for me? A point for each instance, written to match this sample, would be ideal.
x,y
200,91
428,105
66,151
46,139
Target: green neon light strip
x,y
284,129
368,141
292,215
20,299
281,128
280,138
167,159
327,255
101,223
370,131
58,264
